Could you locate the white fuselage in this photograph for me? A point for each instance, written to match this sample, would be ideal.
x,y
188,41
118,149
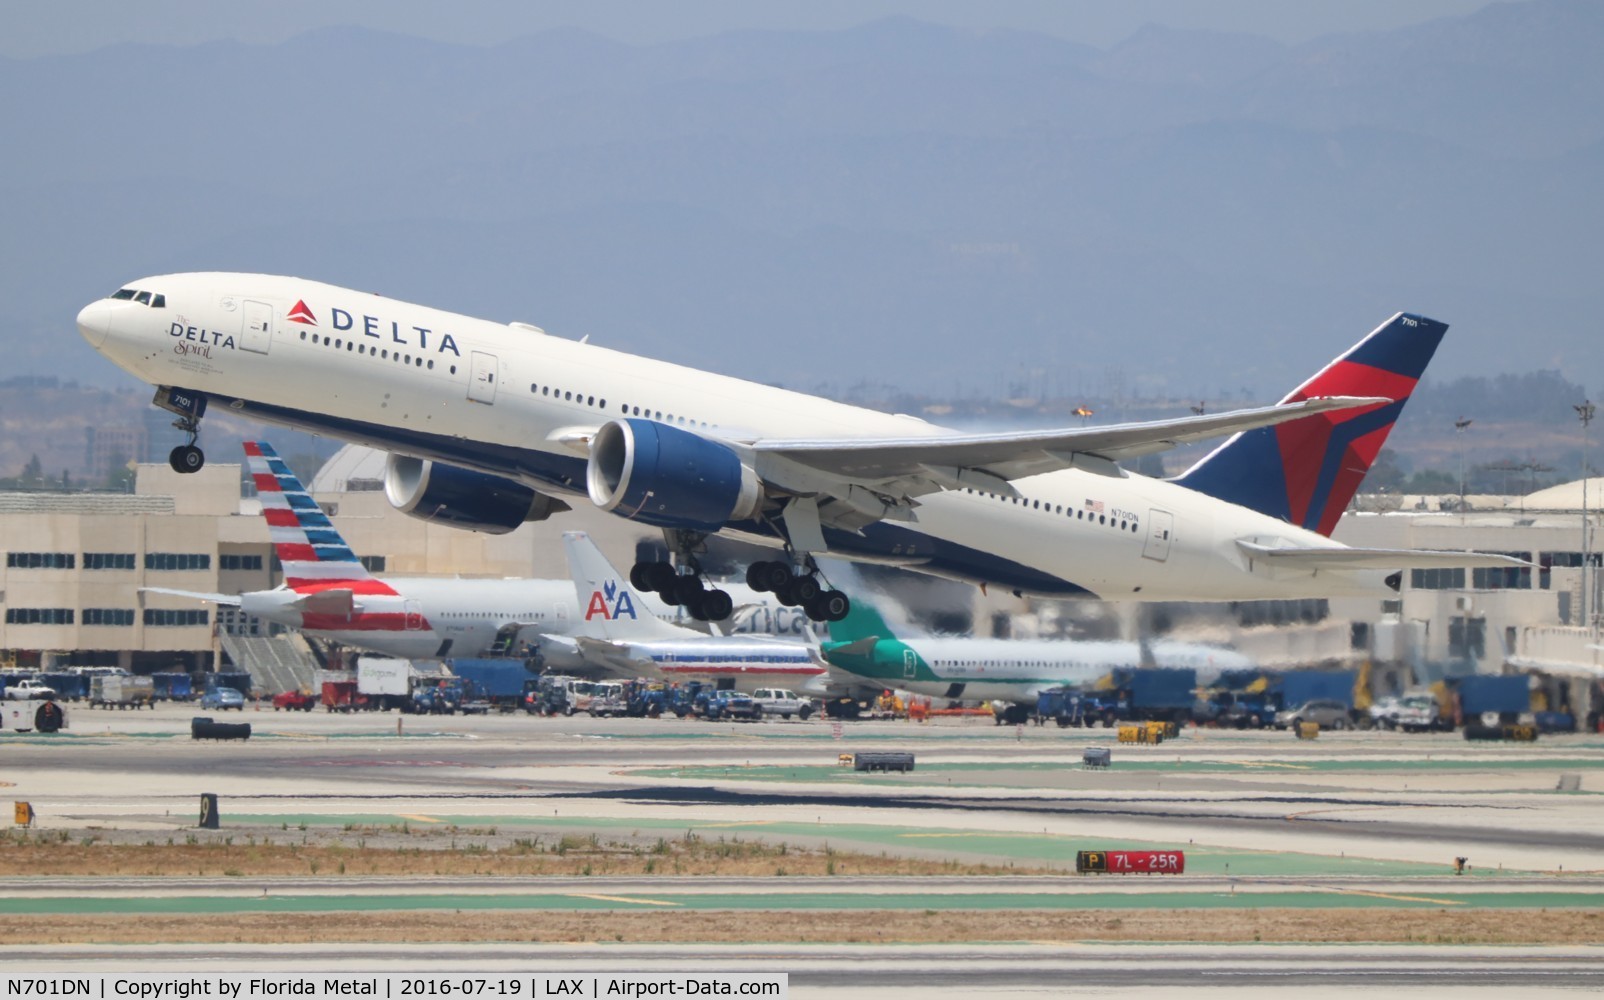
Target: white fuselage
x,y
435,617
512,401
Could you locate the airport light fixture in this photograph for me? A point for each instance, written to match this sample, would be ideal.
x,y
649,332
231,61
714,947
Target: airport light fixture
x,y
1584,412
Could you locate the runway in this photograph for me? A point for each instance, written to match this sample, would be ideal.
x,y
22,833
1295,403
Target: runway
x,y
1371,821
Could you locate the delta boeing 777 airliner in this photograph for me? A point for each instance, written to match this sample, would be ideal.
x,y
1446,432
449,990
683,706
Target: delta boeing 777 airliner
x,y
490,425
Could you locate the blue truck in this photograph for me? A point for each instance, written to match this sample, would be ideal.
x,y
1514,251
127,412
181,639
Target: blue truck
x,y
1506,696
501,682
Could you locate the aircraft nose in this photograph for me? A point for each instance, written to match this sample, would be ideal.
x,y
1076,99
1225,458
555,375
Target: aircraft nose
x,y
94,322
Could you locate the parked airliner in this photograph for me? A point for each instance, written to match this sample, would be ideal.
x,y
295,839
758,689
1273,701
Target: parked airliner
x,y
615,637
1007,670
327,592
490,425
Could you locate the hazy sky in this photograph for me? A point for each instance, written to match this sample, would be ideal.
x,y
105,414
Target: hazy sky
x,y
34,27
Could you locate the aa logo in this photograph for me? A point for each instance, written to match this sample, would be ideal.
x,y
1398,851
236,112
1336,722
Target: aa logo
x,y
610,603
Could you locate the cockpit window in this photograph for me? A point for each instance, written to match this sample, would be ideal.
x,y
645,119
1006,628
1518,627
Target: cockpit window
x,y
143,298
123,293
152,299
158,302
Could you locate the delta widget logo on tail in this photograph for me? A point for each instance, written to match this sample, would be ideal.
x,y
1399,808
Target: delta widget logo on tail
x,y
611,603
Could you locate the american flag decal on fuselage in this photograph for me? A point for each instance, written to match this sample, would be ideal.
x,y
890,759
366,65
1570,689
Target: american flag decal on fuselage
x,y
312,552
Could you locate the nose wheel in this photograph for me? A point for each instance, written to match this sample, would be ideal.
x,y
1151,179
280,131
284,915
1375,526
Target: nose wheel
x,y
186,458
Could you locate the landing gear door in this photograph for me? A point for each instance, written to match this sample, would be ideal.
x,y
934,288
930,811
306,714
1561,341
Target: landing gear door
x,y
1160,532
482,377
258,332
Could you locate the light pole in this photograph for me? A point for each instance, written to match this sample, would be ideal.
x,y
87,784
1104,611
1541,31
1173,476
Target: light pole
x,y
1584,413
1459,432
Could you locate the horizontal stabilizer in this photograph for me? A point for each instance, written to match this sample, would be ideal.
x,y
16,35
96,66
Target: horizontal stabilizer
x,y
1343,558
232,600
609,655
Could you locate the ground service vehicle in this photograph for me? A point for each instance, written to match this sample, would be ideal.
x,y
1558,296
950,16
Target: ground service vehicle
x,y
29,690
1327,712
499,680
293,701
122,691
222,698
782,702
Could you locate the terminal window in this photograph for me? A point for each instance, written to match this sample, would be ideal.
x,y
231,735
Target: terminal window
x,y
178,560
1437,579
108,616
41,560
373,564
239,562
108,560
175,617
39,616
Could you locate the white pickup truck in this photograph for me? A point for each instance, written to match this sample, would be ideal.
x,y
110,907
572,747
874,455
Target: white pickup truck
x,y
779,701
29,690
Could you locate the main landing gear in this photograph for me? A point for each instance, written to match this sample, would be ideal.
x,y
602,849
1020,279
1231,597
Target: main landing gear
x,y
800,589
685,584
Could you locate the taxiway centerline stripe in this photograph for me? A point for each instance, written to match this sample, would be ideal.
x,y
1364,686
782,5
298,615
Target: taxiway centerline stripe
x,y
624,899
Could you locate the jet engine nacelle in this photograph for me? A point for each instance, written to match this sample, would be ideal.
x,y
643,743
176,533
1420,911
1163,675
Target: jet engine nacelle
x,y
664,476
462,498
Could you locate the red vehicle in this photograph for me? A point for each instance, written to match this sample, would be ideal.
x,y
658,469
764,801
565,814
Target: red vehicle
x,y
294,701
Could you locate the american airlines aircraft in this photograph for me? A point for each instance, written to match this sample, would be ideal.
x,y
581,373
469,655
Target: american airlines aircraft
x,y
613,636
490,425
329,594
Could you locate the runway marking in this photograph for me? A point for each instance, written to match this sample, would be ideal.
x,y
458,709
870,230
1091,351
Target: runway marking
x,y
623,899
720,826
420,819
1389,895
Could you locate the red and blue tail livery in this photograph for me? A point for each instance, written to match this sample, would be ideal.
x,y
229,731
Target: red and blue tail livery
x,y
308,545
1305,471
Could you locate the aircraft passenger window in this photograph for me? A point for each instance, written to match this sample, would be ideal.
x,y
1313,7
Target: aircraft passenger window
x,y
568,396
336,343
349,344
431,364
533,388
1079,514
123,293
303,334
419,363
158,302
362,349
604,404
143,298
453,369
1102,519
637,411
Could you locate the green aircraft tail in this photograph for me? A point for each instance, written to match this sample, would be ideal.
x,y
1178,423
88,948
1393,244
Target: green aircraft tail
x,y
862,622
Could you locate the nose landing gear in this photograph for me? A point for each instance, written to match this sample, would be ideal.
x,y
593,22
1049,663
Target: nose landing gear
x,y
187,457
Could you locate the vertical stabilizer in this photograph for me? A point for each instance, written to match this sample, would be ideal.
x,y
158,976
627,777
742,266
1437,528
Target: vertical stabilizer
x,y
608,606
1306,471
310,549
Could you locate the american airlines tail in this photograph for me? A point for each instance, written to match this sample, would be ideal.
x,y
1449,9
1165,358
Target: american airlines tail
x,y
315,558
1305,471
609,605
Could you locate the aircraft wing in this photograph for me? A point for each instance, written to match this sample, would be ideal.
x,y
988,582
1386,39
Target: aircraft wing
x,y
229,599
907,467
1340,558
